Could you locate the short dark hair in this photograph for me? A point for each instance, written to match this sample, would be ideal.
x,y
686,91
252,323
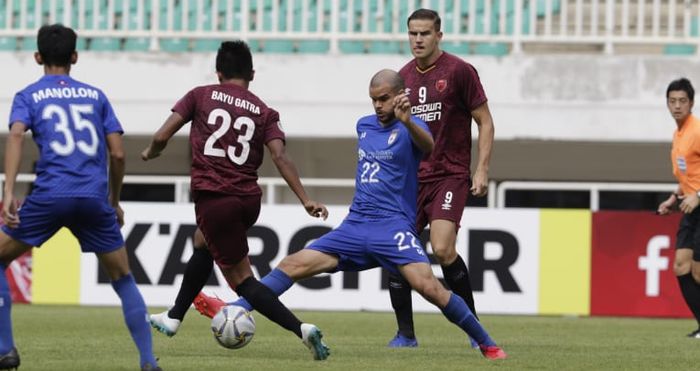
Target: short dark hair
x,y
234,60
426,14
681,84
56,44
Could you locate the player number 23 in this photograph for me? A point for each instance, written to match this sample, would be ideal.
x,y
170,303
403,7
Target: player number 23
x,y
242,123
401,241
69,143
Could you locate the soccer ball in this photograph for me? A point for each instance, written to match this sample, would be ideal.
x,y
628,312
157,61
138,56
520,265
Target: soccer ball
x,y
233,327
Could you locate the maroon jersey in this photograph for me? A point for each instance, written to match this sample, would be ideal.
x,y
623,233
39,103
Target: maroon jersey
x,y
443,96
230,126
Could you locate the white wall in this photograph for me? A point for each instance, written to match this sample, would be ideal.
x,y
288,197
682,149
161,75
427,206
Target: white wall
x,y
566,97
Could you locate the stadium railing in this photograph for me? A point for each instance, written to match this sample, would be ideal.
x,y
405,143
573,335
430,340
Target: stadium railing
x,y
498,194
353,26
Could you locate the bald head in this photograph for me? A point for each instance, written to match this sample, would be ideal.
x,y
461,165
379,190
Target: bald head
x,y
387,77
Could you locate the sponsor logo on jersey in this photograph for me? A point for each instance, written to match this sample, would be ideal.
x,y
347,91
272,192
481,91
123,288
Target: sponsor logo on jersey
x,y
363,135
681,164
441,85
392,136
386,155
407,91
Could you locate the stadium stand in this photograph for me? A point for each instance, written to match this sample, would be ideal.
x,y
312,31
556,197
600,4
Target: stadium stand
x,y
491,27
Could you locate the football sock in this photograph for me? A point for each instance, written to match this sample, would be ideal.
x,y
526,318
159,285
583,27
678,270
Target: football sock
x,y
278,281
457,277
266,302
6,341
197,272
135,316
691,293
458,313
400,293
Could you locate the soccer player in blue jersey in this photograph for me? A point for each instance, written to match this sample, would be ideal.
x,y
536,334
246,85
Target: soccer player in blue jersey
x,y
79,139
380,228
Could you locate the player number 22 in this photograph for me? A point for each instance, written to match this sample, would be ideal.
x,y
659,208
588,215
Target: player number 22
x,y
69,143
401,237
369,172
242,123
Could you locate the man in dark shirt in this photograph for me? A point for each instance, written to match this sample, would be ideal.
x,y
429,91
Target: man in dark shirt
x,y
230,127
446,93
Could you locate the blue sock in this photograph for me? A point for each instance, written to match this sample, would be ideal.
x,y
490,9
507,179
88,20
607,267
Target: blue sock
x,y
458,313
135,315
277,281
6,341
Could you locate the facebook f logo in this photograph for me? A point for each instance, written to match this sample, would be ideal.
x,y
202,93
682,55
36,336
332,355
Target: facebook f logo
x,y
653,263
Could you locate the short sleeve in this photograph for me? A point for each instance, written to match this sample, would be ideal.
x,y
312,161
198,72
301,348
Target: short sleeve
x,y
109,118
473,94
21,111
185,107
273,126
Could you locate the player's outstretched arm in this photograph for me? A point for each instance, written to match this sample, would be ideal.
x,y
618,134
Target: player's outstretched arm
x,y
402,110
13,157
289,172
117,166
160,139
484,121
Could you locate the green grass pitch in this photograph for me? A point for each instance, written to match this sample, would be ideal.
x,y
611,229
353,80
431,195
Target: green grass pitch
x,y
95,338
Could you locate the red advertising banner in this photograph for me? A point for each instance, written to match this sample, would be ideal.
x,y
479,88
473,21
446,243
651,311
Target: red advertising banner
x,y
632,265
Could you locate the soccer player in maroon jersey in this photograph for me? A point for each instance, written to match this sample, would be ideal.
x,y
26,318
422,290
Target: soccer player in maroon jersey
x,y
446,93
230,127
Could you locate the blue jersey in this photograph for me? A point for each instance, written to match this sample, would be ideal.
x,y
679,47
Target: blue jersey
x,y
386,183
69,121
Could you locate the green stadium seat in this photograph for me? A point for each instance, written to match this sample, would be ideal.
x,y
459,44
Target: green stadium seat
x,y
27,43
206,45
277,46
352,47
137,44
314,46
494,49
174,45
254,46
541,4
8,43
679,49
104,44
384,47
81,44
456,47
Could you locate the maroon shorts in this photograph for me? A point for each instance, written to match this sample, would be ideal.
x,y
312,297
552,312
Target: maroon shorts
x,y
224,221
441,199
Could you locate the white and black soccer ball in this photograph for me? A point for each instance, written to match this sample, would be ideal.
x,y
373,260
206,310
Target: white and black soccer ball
x,y
233,327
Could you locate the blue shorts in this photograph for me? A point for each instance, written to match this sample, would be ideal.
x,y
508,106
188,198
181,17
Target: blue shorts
x,y
91,220
361,245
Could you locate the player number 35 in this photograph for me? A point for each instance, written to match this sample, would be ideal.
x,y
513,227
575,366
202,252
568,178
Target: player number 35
x,y
67,146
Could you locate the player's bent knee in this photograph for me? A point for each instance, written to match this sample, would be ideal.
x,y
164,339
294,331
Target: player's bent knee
x,y
444,255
